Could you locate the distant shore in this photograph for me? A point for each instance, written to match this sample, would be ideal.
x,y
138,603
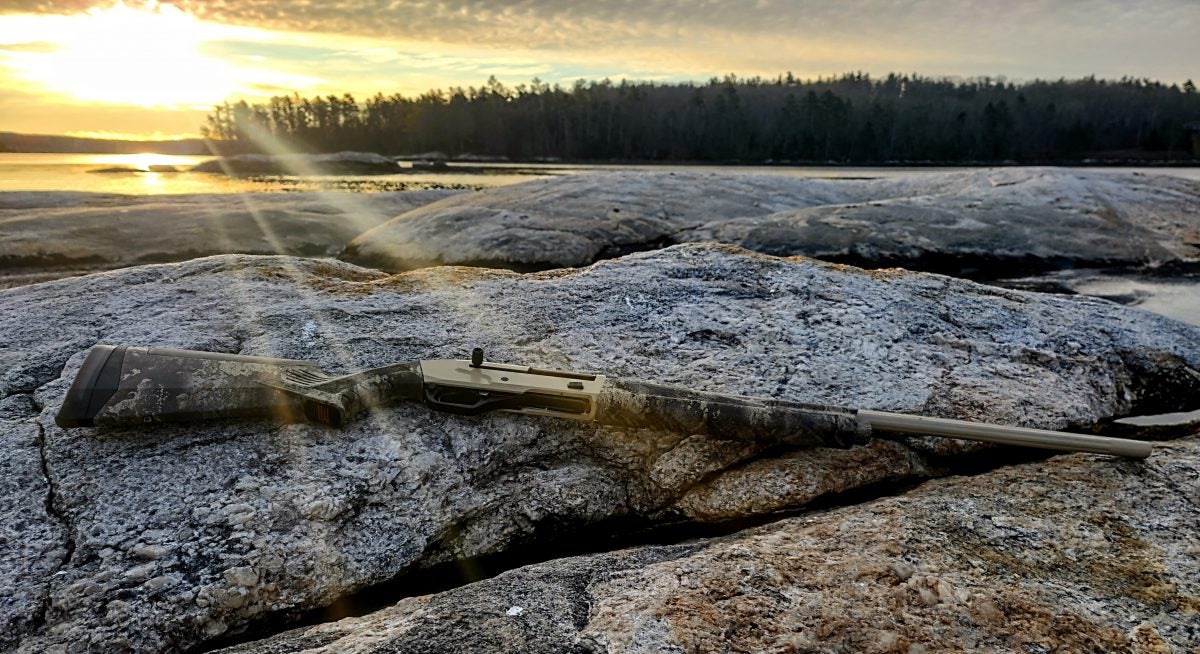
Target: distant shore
x,y
59,144
55,143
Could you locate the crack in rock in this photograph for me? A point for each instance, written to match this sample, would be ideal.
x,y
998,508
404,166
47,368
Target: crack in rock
x,y
610,537
187,534
62,517
1077,552
34,540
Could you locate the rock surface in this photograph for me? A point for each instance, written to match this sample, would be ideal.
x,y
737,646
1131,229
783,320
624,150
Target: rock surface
x,y
68,231
1037,217
345,163
1079,553
33,542
577,219
170,537
956,222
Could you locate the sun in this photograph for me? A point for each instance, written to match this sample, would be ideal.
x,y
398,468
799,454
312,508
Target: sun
x,y
147,56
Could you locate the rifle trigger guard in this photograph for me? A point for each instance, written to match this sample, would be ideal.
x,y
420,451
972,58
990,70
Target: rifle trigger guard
x,y
465,401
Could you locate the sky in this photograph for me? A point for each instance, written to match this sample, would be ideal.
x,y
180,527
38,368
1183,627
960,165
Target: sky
x,y
155,69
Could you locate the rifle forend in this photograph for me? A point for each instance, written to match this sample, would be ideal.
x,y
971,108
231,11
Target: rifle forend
x,y
125,385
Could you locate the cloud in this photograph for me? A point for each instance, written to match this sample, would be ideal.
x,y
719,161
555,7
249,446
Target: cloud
x,y
410,46
618,23
1020,38
700,38
573,24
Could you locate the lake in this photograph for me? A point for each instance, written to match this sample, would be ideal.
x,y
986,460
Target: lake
x,y
78,172
81,172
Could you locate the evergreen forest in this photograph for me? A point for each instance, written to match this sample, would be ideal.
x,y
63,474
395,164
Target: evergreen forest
x,y
853,118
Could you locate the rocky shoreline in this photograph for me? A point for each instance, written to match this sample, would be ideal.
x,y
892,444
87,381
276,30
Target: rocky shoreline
x,y
194,537
63,234
1036,228
970,224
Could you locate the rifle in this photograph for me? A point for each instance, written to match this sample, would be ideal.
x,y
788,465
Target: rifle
x,y
131,385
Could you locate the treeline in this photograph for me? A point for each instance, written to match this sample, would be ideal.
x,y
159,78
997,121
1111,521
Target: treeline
x,y
850,119
12,142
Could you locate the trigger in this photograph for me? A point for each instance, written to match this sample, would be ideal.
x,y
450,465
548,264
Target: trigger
x,y
465,401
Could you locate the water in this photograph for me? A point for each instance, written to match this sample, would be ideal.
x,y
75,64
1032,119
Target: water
x,y
77,172
143,174
1174,297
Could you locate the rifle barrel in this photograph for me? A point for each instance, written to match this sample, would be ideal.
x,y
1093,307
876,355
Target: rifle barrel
x,y
1024,436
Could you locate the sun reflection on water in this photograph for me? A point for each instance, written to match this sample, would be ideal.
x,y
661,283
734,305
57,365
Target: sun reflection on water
x,y
145,161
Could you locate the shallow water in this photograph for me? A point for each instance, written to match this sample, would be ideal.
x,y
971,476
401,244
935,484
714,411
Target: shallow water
x,y
1174,296
1177,298
77,172
131,174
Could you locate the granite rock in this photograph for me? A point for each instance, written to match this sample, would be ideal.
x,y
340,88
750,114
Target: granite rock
x,y
991,223
1079,553
33,541
577,219
171,537
969,223
68,231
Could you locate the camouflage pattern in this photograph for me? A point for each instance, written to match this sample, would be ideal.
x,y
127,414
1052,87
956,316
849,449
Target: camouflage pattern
x,y
160,385
146,385
630,403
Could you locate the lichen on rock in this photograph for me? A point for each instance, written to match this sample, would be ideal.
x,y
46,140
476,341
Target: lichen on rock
x,y
1079,553
183,535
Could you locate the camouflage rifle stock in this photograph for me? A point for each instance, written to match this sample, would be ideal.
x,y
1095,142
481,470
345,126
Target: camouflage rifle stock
x,y
130,385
